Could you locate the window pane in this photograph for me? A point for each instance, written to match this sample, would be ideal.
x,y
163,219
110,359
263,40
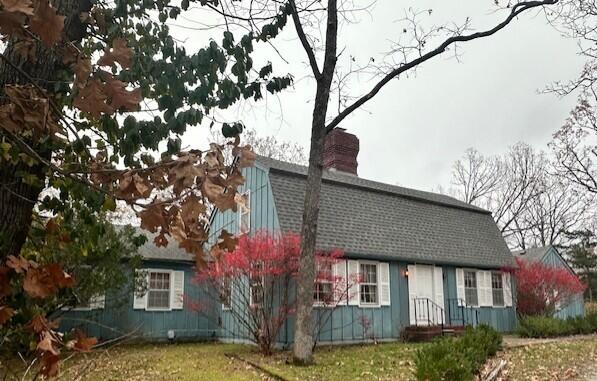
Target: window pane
x,y
471,296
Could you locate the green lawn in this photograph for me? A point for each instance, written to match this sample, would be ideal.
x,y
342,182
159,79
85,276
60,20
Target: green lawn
x,y
566,360
392,361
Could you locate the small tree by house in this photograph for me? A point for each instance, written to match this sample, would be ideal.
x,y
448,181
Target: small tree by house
x,y
542,289
255,283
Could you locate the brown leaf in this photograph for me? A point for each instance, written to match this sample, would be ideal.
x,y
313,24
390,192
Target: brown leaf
x,y
92,100
39,324
46,23
227,241
46,344
18,264
5,288
52,226
82,71
11,24
152,218
246,156
120,97
37,284
22,6
59,277
50,364
191,209
6,313
120,53
84,343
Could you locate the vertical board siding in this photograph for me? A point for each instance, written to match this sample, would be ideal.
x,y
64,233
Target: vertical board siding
x,y
502,319
118,318
263,217
576,307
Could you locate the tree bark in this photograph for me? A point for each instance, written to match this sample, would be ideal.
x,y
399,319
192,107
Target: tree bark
x,y
17,198
303,337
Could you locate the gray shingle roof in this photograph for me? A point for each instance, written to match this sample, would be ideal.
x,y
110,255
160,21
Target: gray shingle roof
x,y
172,252
532,254
371,219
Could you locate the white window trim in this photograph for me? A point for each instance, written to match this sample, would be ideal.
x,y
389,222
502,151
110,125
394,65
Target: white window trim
x,y
334,303
92,302
163,271
475,271
224,306
369,305
246,209
501,273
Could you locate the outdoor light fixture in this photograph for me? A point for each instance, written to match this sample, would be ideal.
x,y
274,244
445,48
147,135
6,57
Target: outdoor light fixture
x,y
405,273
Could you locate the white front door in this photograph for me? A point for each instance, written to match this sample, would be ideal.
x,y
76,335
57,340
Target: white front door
x,y
426,294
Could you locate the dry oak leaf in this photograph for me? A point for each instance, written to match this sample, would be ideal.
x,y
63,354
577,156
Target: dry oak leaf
x,y
60,278
46,23
92,100
37,284
82,71
120,53
50,364
6,313
120,97
246,156
82,342
46,344
39,324
191,209
193,246
11,23
22,6
152,218
227,241
18,264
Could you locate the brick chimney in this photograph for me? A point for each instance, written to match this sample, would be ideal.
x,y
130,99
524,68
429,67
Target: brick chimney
x,y
340,151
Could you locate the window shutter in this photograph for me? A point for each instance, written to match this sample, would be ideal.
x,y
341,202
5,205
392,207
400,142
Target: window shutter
x,y
438,286
177,290
460,287
140,300
484,289
384,284
340,285
354,279
98,302
507,281
412,292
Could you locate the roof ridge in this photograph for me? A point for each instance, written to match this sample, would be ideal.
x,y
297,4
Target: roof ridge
x,y
372,185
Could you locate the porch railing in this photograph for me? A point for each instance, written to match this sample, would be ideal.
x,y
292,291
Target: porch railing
x,y
427,312
459,313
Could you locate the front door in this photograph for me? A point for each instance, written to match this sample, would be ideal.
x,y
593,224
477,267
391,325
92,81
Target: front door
x,y
426,294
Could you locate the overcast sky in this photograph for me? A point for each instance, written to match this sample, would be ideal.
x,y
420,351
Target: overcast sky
x,y
414,130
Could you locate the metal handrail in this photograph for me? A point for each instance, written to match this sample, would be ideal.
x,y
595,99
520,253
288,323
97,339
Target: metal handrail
x,y
466,314
434,312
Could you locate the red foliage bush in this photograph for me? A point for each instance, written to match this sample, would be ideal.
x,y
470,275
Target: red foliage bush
x,y
542,288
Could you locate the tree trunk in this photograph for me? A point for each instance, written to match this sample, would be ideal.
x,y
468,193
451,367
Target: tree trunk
x,y
17,198
303,330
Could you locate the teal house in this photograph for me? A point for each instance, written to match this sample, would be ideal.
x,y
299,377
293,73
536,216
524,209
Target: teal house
x,y
426,260
550,256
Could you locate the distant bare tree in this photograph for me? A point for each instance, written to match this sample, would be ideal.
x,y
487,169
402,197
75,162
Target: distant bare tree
x,y
531,205
475,176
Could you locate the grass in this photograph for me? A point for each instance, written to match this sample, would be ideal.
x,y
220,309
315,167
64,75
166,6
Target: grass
x,y
562,360
208,361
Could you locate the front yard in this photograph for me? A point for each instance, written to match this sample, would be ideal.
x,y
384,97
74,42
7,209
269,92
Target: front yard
x,y
563,360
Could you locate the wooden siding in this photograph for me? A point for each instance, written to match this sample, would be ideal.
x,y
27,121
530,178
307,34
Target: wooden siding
x,y
501,318
577,306
118,317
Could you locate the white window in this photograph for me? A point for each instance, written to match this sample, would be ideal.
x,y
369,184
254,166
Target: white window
x,y
323,293
158,292
226,294
244,213
369,284
497,288
470,288
163,290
